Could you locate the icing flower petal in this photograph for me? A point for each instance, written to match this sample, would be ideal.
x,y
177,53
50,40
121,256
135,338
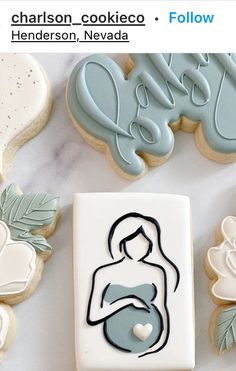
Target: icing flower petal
x,y
228,228
17,265
231,261
4,326
217,260
224,289
4,235
222,260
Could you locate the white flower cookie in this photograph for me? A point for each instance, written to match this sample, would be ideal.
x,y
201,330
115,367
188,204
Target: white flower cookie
x,y
25,104
25,221
17,263
221,268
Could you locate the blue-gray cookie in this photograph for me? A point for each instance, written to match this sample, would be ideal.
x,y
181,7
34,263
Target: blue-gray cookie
x,y
134,115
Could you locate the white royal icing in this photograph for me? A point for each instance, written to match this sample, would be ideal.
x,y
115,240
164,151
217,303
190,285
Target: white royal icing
x,y
23,96
17,263
119,298
142,332
222,260
4,326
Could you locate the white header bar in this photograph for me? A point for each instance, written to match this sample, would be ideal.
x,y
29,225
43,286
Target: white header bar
x,y
117,26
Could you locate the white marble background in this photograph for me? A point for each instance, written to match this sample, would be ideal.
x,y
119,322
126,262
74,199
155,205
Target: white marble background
x,y
60,162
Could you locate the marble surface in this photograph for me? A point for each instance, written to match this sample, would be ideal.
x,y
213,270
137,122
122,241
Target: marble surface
x,y
60,162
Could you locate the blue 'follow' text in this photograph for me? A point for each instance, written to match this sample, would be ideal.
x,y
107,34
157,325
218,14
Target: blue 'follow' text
x,y
190,17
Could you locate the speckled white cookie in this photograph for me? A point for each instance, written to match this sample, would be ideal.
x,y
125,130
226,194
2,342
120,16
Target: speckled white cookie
x,y
25,104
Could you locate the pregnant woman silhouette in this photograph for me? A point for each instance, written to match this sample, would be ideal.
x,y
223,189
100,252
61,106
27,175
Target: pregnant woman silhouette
x,y
129,295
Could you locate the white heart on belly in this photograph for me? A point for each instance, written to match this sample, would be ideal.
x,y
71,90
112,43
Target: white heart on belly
x,y
142,332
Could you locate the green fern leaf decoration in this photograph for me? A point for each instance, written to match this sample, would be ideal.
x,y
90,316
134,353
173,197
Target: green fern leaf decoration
x,y
225,331
24,214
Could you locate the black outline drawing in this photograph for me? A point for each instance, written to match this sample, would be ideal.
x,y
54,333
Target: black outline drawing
x,y
122,248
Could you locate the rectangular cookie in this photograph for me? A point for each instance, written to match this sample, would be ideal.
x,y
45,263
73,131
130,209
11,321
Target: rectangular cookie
x,y
133,279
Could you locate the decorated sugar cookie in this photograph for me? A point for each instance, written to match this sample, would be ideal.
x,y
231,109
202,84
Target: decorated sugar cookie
x,y
25,104
17,263
7,328
25,222
133,282
221,268
133,118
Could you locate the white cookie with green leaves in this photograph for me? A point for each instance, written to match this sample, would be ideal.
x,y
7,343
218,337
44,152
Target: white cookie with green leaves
x,y
221,268
25,222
